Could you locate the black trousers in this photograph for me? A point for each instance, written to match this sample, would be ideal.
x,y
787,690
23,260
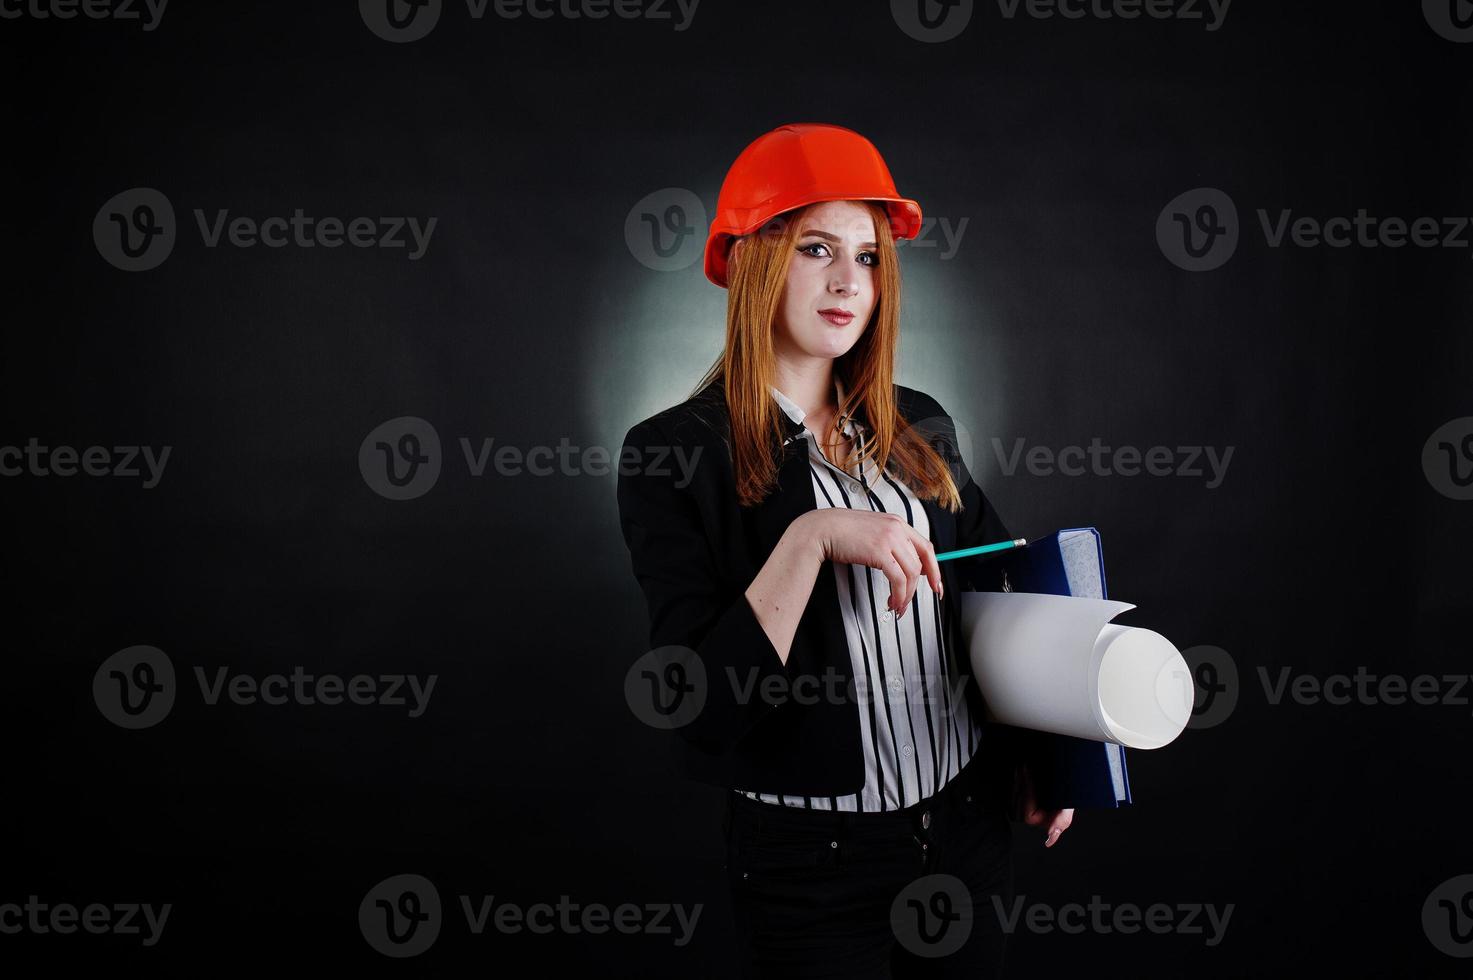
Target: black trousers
x,y
899,894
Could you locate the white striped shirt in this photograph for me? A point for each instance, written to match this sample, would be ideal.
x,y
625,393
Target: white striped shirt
x,y
916,730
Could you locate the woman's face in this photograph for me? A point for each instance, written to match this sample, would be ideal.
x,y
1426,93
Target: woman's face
x,y
831,271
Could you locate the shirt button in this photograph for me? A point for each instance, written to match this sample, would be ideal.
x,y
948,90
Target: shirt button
x,y
896,684
906,751
926,820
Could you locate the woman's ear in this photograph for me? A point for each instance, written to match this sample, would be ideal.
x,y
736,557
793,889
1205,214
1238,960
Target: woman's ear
x,y
734,255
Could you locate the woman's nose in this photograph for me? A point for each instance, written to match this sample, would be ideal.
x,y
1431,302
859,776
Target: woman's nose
x,y
847,287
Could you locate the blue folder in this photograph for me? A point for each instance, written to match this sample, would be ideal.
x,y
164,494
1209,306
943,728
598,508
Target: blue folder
x,y
1068,772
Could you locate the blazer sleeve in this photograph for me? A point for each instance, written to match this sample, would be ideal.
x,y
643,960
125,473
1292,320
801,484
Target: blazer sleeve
x,y
691,602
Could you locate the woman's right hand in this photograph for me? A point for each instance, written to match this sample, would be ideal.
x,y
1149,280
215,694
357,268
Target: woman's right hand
x,y
881,541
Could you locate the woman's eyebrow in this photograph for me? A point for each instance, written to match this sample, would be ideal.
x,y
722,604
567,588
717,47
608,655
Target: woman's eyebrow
x,y
835,238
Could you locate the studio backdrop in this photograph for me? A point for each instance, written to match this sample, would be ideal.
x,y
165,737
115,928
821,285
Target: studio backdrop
x,y
325,324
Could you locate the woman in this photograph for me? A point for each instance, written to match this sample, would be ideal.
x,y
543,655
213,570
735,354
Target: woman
x,y
809,654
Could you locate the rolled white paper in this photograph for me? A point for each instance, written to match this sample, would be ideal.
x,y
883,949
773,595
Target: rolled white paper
x,y
1057,664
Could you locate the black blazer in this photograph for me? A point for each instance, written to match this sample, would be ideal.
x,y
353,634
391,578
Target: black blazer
x,y
695,550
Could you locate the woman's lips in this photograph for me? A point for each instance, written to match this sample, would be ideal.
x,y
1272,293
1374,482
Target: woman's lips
x,y
836,318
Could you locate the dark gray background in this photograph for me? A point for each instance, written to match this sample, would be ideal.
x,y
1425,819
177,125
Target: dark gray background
x,y
1058,320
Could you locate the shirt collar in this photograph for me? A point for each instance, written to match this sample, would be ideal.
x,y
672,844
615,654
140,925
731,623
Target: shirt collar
x,y
796,413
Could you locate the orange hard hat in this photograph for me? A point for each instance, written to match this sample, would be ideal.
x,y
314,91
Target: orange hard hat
x,y
798,164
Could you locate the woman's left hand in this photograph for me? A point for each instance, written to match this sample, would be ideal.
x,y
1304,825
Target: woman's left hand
x,y
1026,808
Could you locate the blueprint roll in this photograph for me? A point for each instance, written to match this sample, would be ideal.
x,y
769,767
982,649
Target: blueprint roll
x,y
1057,664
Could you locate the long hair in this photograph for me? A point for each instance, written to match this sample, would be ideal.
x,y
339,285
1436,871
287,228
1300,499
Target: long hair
x,y
757,275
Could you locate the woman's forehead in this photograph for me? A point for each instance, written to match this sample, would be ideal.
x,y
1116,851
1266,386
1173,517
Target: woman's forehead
x,y
846,220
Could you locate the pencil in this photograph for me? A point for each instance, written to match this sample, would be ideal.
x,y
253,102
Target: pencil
x,y
982,549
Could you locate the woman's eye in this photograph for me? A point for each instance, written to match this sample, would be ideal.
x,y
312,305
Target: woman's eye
x,y
870,259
